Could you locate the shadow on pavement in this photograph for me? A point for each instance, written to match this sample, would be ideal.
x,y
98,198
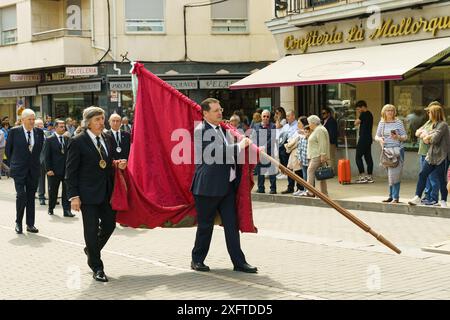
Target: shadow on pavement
x,y
31,240
141,287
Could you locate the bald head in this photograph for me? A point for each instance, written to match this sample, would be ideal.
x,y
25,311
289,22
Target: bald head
x,y
290,116
115,121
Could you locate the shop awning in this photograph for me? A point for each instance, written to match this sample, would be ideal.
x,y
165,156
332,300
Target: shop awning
x,y
375,63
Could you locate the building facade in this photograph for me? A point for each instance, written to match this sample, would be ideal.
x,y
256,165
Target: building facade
x,y
59,57
312,28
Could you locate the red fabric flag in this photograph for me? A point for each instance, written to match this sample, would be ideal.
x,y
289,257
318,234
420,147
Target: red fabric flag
x,y
154,191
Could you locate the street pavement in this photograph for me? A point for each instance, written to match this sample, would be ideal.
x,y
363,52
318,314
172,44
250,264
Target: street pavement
x,y
301,252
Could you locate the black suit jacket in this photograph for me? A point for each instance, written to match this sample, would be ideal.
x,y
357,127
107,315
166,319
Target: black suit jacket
x,y
331,126
212,173
22,161
84,177
125,145
54,159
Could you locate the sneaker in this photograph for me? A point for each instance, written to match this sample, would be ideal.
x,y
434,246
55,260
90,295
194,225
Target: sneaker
x,y
297,193
427,202
369,179
443,203
414,201
281,176
361,179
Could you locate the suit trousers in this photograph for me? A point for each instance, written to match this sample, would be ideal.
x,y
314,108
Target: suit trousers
x,y
53,186
26,189
99,222
207,207
41,187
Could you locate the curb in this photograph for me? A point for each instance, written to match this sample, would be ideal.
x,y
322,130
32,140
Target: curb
x,y
402,208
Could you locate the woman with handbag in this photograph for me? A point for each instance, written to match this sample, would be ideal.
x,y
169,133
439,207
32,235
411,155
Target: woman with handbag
x,y
391,134
318,152
436,160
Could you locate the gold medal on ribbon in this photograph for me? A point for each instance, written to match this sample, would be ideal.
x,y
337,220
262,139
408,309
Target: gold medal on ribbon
x,y
30,148
102,164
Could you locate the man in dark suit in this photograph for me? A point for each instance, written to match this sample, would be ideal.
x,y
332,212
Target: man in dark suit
x,y
55,153
23,148
89,178
214,187
331,125
121,140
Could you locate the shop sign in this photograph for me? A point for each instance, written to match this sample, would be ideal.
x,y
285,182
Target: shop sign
x,y
120,85
23,92
408,26
24,77
69,88
217,84
184,84
81,71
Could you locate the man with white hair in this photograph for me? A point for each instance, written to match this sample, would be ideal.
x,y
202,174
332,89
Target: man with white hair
x,y
89,178
23,148
121,140
288,131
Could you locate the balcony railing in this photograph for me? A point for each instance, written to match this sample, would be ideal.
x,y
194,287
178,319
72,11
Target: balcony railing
x,y
289,7
59,33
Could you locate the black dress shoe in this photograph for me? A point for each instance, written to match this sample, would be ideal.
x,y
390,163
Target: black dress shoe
x,y
18,228
100,276
68,213
388,200
199,266
42,202
273,192
50,212
85,251
287,191
246,268
32,229
260,191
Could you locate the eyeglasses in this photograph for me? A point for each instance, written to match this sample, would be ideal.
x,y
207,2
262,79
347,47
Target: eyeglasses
x,y
218,110
265,116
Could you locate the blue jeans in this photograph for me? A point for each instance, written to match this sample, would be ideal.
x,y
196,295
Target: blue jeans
x,y
432,185
394,190
441,175
305,173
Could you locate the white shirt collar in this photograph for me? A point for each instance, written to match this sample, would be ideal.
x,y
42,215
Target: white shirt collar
x,y
212,125
93,136
25,129
114,131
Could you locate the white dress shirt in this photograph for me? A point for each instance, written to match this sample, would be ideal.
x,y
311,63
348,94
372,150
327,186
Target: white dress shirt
x,y
115,137
94,140
26,135
232,170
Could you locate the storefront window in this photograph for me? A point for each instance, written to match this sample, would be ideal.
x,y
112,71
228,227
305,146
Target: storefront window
x,y
127,105
412,95
341,98
72,104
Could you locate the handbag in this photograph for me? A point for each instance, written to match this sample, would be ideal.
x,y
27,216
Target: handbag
x,y
388,158
324,172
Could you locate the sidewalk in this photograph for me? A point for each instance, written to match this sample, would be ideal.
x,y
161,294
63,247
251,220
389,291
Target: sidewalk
x,y
367,197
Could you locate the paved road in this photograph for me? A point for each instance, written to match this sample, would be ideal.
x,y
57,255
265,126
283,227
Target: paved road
x,y
301,253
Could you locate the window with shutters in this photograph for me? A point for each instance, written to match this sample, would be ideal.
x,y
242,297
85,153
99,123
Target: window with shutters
x,y
8,25
146,16
229,17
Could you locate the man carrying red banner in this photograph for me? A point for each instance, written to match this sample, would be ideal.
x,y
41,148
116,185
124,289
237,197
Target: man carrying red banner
x,y
215,182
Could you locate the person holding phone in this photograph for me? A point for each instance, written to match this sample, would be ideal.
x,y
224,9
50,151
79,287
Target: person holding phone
x,y
391,134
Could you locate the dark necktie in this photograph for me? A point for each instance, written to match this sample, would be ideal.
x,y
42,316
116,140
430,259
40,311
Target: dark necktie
x,y
100,147
61,142
29,140
117,138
